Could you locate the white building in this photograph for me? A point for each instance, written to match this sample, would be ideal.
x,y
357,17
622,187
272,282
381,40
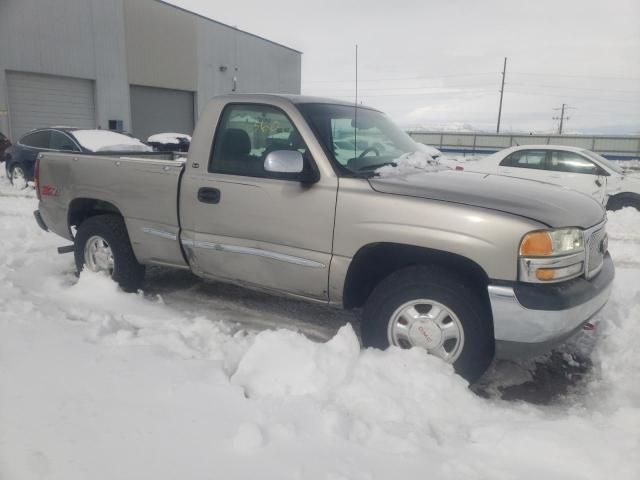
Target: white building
x,y
143,66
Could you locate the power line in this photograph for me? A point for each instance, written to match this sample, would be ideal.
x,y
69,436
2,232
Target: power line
x,y
575,76
566,87
418,77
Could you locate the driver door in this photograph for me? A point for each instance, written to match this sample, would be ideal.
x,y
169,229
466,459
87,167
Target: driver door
x,y
248,226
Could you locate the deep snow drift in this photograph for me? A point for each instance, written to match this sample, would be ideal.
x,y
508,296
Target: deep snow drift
x,y
98,384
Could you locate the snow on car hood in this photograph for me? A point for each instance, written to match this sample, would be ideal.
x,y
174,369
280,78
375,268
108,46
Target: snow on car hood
x,y
549,204
107,141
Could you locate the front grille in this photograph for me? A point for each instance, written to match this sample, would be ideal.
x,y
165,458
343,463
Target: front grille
x,y
595,251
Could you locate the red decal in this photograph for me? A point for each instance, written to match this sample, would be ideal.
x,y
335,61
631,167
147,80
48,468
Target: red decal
x,y
48,191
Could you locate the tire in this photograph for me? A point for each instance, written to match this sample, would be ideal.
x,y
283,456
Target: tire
x,y
18,176
123,265
474,348
623,200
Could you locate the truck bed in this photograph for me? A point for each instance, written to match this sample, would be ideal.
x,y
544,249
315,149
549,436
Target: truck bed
x,y
144,190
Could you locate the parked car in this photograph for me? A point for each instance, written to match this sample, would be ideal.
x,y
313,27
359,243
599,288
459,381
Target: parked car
x,y
4,144
169,142
465,266
21,157
571,167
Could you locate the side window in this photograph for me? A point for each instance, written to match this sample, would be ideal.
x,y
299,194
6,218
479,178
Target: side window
x,y
534,159
570,162
246,134
38,139
62,142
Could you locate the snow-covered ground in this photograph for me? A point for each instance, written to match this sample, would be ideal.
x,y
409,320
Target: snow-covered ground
x,y
99,384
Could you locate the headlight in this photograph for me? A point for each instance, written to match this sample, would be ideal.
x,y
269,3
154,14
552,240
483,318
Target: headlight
x,y
552,255
545,243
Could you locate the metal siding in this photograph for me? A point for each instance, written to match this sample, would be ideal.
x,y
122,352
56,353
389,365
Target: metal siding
x,y
70,38
157,110
37,101
160,45
615,147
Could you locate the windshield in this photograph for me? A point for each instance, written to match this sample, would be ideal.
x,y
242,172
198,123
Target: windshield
x,y
358,140
604,161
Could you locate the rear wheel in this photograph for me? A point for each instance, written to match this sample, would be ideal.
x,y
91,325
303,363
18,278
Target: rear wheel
x,y
17,177
102,245
433,309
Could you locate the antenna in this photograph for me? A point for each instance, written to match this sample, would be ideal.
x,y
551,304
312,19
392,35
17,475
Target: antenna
x,y
355,127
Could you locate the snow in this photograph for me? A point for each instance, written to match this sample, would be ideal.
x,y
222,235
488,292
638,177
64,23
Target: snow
x,y
411,162
107,141
168,138
96,383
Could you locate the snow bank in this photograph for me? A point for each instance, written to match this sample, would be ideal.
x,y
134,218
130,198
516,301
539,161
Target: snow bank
x,y
107,141
172,138
96,383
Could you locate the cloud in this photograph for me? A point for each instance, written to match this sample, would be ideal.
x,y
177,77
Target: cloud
x,y
440,60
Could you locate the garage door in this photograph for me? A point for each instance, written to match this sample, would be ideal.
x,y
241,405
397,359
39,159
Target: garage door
x,y
158,110
37,101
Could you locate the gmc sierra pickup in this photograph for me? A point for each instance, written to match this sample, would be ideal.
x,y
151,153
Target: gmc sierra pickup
x,y
284,193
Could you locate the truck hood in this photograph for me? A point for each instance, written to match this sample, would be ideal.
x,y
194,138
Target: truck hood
x,y
545,203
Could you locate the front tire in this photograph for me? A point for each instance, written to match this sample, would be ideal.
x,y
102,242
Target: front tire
x,y
102,245
431,308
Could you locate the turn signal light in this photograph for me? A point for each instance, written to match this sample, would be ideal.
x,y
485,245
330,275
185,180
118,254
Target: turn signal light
x,y
536,244
545,274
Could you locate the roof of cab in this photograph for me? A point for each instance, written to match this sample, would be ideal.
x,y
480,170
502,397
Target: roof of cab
x,y
295,99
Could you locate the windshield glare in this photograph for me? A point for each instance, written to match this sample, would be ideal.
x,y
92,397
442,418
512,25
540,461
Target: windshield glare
x,y
604,161
358,139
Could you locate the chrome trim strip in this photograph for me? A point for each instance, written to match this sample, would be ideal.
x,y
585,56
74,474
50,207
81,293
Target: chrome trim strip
x,y
529,265
160,233
258,252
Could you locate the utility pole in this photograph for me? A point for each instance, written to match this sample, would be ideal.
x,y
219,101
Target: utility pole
x,y
562,116
504,74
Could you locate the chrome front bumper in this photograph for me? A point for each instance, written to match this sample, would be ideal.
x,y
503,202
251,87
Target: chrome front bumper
x,y
549,315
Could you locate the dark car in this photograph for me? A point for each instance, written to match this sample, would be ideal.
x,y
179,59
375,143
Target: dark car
x,y
20,158
4,144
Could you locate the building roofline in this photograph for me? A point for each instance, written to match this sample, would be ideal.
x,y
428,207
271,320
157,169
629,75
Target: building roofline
x,y
166,2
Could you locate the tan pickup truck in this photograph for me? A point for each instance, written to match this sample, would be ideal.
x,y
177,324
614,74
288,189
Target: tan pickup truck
x,y
316,199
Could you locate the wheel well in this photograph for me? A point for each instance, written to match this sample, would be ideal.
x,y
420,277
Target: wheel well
x,y
617,201
82,208
372,263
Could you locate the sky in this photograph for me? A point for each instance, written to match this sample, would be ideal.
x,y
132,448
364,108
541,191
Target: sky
x,y
436,64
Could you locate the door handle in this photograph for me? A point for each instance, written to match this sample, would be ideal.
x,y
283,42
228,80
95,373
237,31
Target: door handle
x,y
209,195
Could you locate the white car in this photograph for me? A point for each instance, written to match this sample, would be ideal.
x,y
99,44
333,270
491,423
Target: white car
x,y
571,167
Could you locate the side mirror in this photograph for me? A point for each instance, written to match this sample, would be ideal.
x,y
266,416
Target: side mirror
x,y
284,161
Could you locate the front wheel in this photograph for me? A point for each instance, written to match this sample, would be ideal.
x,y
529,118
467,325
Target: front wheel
x,y
102,245
431,308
